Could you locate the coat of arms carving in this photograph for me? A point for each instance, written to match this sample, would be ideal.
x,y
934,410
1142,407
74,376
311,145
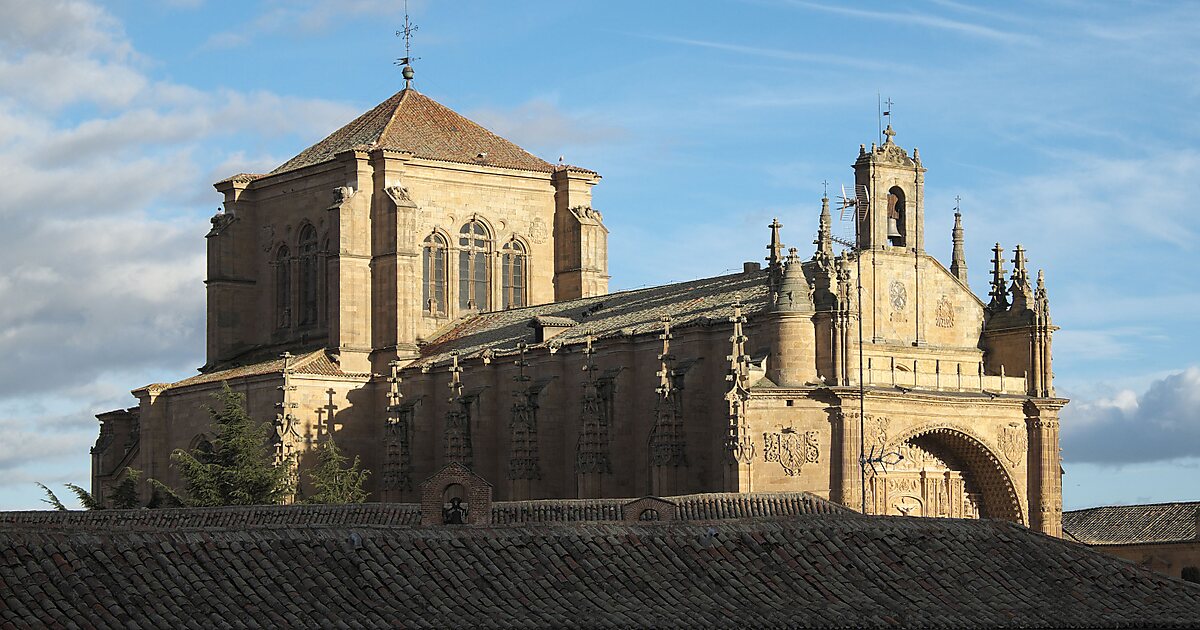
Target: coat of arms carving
x,y
1013,443
944,317
537,231
791,449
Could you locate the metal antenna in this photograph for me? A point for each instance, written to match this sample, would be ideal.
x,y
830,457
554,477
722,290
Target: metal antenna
x,y
406,61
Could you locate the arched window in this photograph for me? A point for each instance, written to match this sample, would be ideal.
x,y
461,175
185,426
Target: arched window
x,y
283,287
308,275
474,281
328,282
433,275
512,273
896,216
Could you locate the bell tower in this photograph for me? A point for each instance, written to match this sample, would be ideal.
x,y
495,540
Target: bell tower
x,y
895,182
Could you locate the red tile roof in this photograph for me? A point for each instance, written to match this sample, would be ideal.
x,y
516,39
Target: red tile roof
x,y
316,362
410,121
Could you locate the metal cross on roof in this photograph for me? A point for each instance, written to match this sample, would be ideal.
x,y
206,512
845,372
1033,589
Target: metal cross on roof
x,y
406,61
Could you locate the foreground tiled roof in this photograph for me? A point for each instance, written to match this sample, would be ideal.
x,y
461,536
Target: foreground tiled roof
x,y
1131,524
629,312
410,121
691,507
803,571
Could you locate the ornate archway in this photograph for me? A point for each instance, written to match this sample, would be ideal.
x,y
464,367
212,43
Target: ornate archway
x,y
945,472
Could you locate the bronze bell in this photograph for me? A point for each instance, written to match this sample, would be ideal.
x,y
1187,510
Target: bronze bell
x,y
893,228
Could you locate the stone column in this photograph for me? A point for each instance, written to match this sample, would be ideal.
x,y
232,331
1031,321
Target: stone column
x,y
1045,466
850,472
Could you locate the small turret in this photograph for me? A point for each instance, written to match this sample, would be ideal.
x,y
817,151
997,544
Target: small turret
x,y
794,292
958,260
999,292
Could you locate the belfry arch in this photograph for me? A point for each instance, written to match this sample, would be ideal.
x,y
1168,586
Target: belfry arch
x,y
947,472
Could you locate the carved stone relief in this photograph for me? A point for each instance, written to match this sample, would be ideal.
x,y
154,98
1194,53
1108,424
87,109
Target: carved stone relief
x,y
1012,443
944,318
791,449
537,231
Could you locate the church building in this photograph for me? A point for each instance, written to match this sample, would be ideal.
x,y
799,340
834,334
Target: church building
x,y
427,293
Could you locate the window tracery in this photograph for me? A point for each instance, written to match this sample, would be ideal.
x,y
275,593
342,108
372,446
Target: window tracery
x,y
433,270
474,279
308,275
513,273
283,287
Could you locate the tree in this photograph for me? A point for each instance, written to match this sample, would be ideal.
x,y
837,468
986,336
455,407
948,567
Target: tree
x,y
240,468
124,495
334,481
51,498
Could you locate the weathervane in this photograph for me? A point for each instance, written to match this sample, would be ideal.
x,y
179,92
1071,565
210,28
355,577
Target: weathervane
x,y
406,61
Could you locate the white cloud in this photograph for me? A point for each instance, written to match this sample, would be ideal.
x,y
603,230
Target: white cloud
x,y
539,125
1161,423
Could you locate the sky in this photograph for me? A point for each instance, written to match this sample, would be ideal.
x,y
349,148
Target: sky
x,y
1067,127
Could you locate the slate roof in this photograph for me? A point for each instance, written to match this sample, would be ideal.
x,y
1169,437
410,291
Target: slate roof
x,y
635,312
410,121
1133,524
828,570
315,362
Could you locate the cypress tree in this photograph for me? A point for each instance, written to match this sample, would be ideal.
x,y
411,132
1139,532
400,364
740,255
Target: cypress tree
x,y
334,480
241,467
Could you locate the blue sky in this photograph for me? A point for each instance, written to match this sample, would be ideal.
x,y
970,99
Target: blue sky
x,y
1067,127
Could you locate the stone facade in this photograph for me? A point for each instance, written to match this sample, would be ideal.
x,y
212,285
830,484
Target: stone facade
x,y
761,381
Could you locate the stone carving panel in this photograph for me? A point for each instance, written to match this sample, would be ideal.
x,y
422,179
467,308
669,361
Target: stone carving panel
x,y
791,450
1013,443
944,317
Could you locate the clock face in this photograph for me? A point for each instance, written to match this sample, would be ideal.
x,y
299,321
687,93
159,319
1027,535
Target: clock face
x,y
897,294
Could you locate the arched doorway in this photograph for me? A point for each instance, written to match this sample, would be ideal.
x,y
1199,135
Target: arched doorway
x,y
945,473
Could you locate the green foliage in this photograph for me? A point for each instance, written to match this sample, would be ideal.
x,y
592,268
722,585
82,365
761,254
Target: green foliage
x,y
240,468
51,498
334,480
85,498
124,495
162,496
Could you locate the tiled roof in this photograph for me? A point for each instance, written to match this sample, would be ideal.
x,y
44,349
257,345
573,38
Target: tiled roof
x,y
1131,524
805,571
316,362
410,121
629,312
692,507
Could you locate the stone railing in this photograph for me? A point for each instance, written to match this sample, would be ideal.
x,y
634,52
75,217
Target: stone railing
x,y
951,376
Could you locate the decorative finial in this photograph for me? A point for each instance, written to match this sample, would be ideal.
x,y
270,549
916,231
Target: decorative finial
x,y
406,61
958,259
776,247
999,292
890,133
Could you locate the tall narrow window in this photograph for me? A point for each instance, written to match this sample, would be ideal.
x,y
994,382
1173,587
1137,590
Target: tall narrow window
x,y
513,271
308,276
283,288
897,211
474,245
326,283
433,274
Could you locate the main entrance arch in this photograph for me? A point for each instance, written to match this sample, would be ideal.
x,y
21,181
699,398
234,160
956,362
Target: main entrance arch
x,y
945,472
